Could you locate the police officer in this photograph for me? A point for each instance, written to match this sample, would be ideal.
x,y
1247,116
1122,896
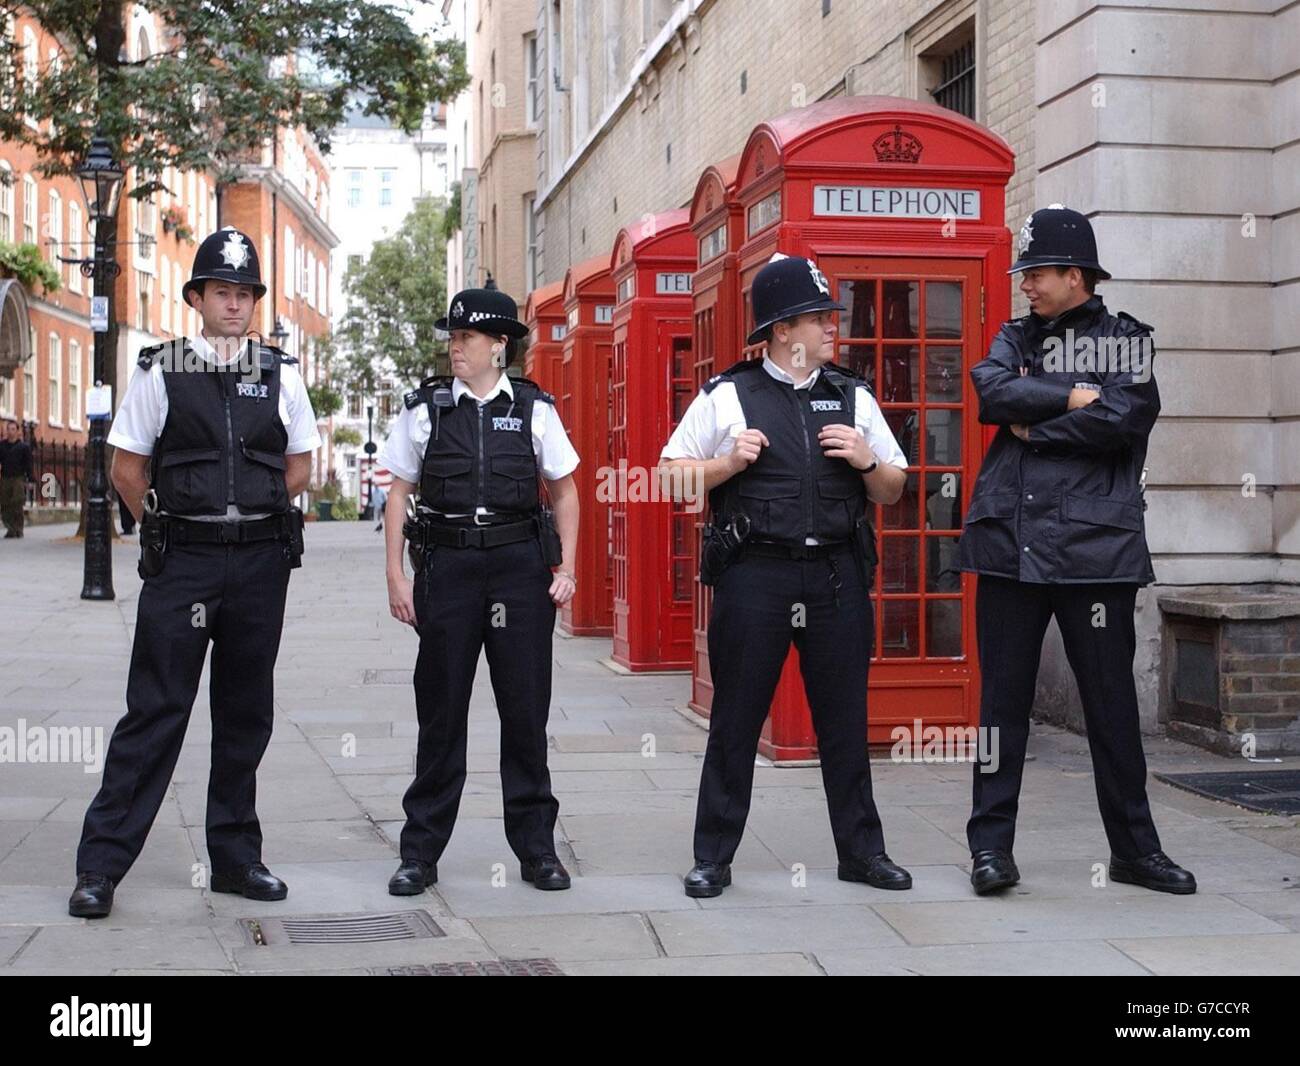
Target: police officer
x,y
15,472
790,449
1055,528
213,439
473,445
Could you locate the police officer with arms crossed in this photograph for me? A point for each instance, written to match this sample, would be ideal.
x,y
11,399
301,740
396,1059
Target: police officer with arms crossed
x,y
474,445
213,439
790,450
1054,528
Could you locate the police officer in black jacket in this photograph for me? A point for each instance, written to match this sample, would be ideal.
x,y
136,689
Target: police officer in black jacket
x,y
492,566
213,439
790,449
1055,528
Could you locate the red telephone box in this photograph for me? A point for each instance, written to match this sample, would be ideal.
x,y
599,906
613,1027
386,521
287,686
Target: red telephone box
x,y
717,224
544,316
584,406
651,384
901,205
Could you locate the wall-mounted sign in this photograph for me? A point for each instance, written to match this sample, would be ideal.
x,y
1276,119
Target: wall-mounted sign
x,y
889,201
604,314
713,244
764,213
672,283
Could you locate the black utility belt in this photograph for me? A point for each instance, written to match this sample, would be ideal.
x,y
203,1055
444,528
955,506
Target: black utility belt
x,y
775,549
185,531
424,533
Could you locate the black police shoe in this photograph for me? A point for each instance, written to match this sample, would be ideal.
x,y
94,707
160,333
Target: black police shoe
x,y
1155,871
545,872
93,896
413,877
991,870
252,881
707,879
879,871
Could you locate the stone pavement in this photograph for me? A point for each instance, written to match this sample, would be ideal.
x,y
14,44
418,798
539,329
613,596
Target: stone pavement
x,y
331,814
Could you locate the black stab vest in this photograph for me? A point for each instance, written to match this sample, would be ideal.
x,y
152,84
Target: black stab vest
x,y
223,441
793,490
479,456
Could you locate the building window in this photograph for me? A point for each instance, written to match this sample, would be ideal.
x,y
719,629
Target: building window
x,y
74,384
386,188
6,202
530,249
7,397
54,228
943,56
144,295
354,188
76,234
533,98
29,210
55,411
354,406
290,263
354,263
29,384
165,296
30,61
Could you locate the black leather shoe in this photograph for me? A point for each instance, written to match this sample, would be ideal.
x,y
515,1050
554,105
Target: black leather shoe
x,y
545,872
707,879
1155,871
413,877
252,881
879,871
991,870
93,896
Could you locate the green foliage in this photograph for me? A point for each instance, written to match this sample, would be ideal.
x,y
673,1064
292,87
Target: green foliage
x,y
347,435
345,509
451,217
222,79
393,300
325,399
25,262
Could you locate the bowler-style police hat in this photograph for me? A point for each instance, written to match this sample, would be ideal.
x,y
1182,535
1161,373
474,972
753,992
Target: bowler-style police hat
x,y
1057,236
788,285
227,255
486,310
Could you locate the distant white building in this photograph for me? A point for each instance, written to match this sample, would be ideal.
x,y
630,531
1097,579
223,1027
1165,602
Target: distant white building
x,y
377,174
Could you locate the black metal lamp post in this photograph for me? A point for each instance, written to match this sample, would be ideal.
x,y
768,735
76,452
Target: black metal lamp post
x,y
279,335
370,450
101,184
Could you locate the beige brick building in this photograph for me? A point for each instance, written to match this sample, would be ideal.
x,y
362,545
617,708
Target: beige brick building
x,y
1175,127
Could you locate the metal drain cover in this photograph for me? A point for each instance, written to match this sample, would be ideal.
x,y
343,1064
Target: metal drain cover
x,y
340,928
501,968
1267,791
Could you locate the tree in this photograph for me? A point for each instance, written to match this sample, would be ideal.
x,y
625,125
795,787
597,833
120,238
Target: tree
x,y
225,78
393,299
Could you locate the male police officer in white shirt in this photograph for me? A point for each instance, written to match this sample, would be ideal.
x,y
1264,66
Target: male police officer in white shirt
x,y
214,439
791,555
475,445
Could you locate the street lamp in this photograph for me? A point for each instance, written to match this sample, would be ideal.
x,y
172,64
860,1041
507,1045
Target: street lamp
x,y
279,335
101,185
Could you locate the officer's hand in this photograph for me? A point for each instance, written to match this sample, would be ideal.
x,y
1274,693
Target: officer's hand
x,y
749,442
839,441
401,603
1081,398
563,586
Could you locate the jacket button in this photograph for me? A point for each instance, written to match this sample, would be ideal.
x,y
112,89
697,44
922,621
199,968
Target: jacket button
x,y
1026,547
1029,495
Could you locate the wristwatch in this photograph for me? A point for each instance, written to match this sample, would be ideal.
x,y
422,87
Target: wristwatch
x,y
875,462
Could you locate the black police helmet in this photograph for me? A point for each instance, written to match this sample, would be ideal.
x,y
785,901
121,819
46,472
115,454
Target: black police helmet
x,y
787,286
226,255
1057,236
486,310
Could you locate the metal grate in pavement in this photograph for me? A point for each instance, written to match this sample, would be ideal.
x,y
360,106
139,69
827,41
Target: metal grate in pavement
x,y
501,968
1267,791
340,928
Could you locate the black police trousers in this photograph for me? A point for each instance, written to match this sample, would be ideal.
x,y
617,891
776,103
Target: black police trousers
x,y
242,589
1096,623
758,605
468,600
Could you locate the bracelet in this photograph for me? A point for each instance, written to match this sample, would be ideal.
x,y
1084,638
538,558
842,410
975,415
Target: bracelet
x,y
875,462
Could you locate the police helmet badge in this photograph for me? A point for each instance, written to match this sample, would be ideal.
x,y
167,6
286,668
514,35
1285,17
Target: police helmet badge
x,y
1026,236
819,278
234,251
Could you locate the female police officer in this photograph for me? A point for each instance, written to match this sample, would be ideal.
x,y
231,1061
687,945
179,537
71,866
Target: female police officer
x,y
793,447
474,444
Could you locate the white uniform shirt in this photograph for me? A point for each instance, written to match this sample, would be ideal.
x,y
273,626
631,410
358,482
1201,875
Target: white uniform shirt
x,y
403,451
139,421
709,428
